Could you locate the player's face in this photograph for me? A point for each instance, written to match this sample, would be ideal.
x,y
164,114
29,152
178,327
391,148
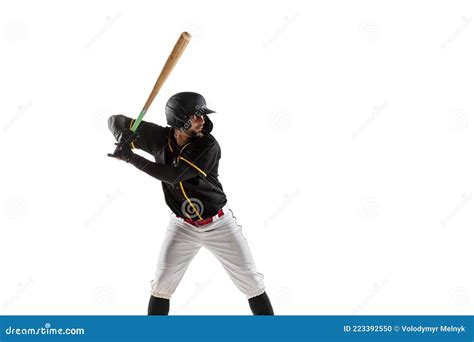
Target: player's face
x,y
197,124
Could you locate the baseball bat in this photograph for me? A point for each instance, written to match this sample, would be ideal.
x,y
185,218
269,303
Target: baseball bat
x,y
173,58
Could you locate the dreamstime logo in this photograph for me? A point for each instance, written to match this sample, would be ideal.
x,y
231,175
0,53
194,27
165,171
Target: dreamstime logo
x,y
20,289
198,111
453,36
281,120
186,126
375,114
370,31
376,288
109,21
99,121
460,297
192,208
199,287
459,120
370,207
196,28
110,198
283,296
465,199
14,31
14,208
287,21
287,199
103,296
21,110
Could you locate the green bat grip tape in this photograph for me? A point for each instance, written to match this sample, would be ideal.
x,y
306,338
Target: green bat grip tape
x,y
137,121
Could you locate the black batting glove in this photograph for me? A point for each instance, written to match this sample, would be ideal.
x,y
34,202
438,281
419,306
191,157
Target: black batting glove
x,y
123,151
127,137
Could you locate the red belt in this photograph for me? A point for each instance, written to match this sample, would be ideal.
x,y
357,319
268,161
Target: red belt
x,y
203,222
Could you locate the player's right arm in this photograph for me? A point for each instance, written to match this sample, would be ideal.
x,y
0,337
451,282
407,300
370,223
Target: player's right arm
x,y
150,135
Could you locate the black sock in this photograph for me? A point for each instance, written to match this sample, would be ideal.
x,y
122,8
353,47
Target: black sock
x,y
158,306
261,305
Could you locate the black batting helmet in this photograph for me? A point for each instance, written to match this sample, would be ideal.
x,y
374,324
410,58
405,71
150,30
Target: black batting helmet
x,y
180,107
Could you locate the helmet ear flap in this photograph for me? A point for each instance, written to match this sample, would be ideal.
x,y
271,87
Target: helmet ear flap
x,y
208,125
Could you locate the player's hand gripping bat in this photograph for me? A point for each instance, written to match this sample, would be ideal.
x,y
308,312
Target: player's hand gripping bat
x,y
173,58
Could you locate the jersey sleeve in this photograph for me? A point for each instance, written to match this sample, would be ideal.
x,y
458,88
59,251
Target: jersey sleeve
x,y
202,157
165,173
150,134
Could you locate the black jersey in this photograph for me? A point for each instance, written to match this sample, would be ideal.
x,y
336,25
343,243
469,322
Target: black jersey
x,y
189,173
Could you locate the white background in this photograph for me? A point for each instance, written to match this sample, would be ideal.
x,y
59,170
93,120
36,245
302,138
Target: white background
x,y
346,133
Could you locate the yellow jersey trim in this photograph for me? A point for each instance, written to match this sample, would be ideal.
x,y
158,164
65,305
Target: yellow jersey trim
x,y
187,161
189,201
169,140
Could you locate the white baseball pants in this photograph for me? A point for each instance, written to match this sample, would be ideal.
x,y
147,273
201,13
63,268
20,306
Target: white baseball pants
x,y
223,238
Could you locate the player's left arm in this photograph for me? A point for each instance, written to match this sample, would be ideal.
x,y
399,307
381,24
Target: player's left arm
x,y
165,173
197,160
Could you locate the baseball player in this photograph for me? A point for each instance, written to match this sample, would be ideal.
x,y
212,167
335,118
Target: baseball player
x,y
186,162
